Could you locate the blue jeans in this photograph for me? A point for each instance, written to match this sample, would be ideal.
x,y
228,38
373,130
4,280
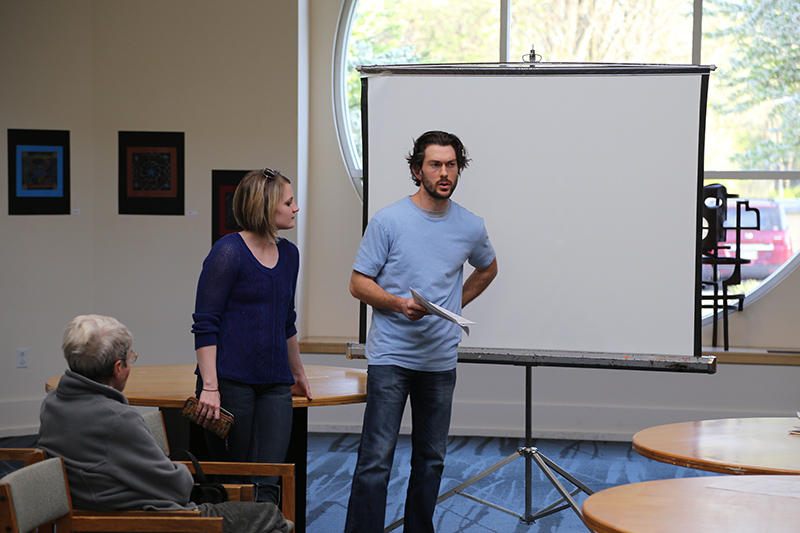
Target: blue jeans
x,y
431,394
260,433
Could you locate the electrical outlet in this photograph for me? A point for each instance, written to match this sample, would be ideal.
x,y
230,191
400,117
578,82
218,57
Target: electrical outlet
x,y
22,358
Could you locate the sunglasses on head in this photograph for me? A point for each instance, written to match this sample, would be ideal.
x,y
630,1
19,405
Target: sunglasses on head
x,y
269,173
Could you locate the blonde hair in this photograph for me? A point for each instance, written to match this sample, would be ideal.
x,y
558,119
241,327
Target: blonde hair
x,y
92,345
256,200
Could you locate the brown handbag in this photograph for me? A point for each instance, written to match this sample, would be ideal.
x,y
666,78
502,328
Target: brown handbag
x,y
220,427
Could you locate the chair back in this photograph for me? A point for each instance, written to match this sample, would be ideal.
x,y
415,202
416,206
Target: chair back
x,y
715,212
34,495
155,423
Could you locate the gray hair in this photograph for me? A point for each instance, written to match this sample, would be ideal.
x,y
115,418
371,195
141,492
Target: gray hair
x,y
92,344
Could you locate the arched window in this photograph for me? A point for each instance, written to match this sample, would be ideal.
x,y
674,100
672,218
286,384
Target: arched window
x,y
753,119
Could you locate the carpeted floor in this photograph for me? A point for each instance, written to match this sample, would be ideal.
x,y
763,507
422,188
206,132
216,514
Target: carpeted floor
x,y
598,465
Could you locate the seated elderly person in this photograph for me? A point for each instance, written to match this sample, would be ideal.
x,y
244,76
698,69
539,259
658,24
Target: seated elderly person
x,y
112,461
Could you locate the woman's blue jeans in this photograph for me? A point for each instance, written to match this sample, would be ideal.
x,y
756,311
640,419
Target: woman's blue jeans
x,y
261,430
388,388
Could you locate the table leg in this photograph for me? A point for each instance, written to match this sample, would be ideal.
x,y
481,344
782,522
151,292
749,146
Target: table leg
x,y
297,454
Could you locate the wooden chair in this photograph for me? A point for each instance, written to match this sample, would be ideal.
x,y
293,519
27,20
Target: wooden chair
x,y
26,455
155,423
38,494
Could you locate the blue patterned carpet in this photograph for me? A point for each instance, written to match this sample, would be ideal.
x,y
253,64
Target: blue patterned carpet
x,y
598,465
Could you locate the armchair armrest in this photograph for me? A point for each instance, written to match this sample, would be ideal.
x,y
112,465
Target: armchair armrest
x,y
29,455
284,470
156,521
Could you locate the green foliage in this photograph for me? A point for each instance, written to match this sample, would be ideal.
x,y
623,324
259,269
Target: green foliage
x,y
793,191
376,39
603,31
395,32
762,76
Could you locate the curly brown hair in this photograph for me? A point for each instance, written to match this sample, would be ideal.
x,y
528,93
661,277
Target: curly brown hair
x,y
439,138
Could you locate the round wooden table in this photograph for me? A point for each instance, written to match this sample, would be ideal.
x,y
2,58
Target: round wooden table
x,y
728,446
168,386
732,504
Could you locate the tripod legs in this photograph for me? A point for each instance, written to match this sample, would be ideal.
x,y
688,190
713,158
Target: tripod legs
x,y
531,455
547,467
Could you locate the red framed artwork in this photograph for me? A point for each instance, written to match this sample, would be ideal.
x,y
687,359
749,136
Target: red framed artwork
x,y
224,183
151,173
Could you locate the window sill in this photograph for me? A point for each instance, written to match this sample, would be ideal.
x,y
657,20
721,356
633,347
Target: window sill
x,y
334,345
755,356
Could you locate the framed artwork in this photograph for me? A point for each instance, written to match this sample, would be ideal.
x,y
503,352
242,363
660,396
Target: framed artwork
x,y
38,172
151,175
224,183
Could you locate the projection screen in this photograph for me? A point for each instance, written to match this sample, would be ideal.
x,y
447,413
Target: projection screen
x,y
588,178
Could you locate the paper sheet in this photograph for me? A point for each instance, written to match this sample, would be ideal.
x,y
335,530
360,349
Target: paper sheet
x,y
441,311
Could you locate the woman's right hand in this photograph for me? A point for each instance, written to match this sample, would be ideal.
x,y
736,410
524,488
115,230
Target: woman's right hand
x,y
208,406
208,401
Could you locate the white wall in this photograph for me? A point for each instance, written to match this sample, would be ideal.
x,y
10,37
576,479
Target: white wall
x,y
226,74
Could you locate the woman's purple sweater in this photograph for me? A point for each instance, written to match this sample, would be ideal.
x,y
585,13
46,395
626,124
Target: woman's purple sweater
x,y
247,311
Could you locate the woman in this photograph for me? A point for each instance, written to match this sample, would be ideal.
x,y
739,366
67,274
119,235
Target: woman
x,y
248,358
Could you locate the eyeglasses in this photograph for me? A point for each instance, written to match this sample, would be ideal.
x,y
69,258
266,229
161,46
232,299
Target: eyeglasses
x,y
269,173
132,357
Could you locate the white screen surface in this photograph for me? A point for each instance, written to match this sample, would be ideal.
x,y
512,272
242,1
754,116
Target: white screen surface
x,y
588,185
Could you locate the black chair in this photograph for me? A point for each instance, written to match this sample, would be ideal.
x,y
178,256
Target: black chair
x,y
715,213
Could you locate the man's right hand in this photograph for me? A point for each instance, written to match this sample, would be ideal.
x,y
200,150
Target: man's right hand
x,y
368,291
411,309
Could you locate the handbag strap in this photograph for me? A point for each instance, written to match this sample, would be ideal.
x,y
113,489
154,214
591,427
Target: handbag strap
x,y
199,475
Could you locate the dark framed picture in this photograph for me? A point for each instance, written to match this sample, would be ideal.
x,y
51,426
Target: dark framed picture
x,y
223,184
38,172
151,173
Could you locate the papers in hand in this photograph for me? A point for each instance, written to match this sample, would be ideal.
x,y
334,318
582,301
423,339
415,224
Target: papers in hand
x,y
441,311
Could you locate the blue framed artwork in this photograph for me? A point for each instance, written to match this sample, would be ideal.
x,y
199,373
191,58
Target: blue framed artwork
x,y
151,175
38,172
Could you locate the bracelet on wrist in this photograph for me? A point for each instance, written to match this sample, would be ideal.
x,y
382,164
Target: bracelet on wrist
x,y
211,390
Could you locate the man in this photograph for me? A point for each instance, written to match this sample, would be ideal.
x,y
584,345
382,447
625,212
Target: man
x,y
422,241
112,461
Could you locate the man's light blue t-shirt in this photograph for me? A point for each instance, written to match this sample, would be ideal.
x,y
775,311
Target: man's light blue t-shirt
x,y
405,248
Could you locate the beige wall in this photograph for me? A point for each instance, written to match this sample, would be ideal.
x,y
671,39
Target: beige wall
x,y
224,73
232,76
333,208
48,266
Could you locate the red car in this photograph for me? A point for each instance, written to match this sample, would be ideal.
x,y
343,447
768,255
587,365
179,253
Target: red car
x,y
767,248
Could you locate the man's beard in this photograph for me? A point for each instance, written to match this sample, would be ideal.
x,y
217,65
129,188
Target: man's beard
x,y
431,187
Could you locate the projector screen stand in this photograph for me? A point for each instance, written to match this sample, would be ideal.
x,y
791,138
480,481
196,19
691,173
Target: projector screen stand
x,y
531,455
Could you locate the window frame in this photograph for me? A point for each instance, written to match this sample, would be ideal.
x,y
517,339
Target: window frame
x,y
340,114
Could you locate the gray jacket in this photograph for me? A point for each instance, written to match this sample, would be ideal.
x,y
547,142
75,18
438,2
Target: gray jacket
x,y
111,459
